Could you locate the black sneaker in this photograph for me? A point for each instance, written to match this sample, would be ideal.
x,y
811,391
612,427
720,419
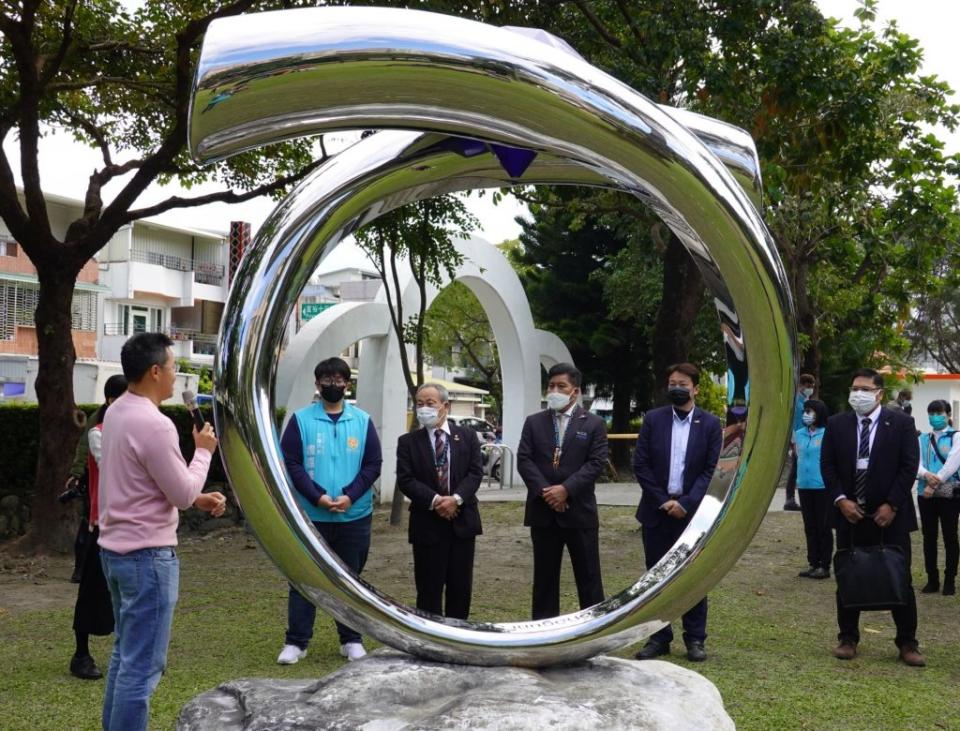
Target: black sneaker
x,y
931,587
791,505
820,573
84,667
807,573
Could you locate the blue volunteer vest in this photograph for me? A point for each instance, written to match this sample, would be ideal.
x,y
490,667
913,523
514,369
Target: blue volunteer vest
x,y
928,455
332,455
808,458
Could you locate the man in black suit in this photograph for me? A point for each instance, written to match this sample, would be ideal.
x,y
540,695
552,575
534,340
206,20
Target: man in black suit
x,y
677,452
439,468
562,452
869,461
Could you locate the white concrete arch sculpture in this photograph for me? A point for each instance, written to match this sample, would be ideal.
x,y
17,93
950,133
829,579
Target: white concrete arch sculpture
x,y
381,390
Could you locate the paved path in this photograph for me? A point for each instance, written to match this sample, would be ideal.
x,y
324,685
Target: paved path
x,y
608,493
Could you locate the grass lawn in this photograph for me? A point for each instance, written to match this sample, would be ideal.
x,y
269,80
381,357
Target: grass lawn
x,y
770,632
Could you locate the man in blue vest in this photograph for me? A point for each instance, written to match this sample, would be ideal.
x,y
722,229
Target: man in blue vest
x,y
332,453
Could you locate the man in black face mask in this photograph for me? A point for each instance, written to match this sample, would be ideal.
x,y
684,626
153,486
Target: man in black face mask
x,y
332,453
677,452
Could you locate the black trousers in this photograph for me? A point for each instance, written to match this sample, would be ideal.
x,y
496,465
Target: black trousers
x,y
447,564
867,533
584,549
817,514
938,514
657,540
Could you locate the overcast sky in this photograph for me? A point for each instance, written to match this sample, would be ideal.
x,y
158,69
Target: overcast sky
x,y
66,165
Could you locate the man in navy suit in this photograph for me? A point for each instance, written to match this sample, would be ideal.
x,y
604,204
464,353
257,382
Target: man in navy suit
x,y
677,452
562,452
439,467
868,461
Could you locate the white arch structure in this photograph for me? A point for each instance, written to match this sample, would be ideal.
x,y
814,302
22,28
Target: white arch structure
x,y
381,390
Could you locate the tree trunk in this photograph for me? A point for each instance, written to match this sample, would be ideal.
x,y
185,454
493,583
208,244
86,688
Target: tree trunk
x,y
806,320
53,524
680,302
621,451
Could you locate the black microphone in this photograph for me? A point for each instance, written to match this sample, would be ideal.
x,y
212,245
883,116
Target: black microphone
x,y
190,401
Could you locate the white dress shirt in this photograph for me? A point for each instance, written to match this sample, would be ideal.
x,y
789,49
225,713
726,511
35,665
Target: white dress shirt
x,y
679,437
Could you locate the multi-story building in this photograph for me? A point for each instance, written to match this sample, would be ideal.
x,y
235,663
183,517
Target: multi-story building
x,y
149,276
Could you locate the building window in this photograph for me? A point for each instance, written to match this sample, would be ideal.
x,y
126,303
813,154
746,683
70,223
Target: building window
x,y
8,295
83,311
8,247
18,303
139,319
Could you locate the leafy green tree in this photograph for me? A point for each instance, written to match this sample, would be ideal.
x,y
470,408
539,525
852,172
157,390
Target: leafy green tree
x,y
118,78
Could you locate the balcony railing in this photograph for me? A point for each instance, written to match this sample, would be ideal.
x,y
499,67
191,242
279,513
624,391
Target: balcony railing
x,y
204,272
174,333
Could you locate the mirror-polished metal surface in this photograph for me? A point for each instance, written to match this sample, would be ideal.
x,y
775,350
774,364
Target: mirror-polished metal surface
x,y
468,104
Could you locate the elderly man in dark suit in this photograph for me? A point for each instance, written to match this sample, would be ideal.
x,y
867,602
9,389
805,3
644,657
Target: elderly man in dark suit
x,y
868,461
439,468
562,452
677,452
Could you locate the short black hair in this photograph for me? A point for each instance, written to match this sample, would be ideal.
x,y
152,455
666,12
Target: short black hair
x,y
905,393
938,406
566,369
141,352
819,409
332,367
687,369
115,387
806,378
868,373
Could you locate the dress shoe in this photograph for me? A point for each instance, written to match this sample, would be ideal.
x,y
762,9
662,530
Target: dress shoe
x,y
949,587
846,650
652,650
791,505
931,587
911,656
696,651
84,667
820,573
806,573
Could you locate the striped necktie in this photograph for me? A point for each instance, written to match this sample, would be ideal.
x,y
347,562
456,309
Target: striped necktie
x,y
439,448
860,485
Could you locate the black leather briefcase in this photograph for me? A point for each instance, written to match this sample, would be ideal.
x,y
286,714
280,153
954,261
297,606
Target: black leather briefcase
x,y
872,577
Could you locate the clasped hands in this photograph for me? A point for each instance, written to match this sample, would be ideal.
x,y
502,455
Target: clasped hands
x,y
446,507
556,497
340,505
853,513
932,483
674,509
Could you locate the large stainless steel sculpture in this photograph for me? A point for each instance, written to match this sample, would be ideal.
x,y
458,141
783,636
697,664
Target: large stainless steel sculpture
x,y
475,106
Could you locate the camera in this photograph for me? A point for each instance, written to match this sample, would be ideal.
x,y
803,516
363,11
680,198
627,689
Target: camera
x,y
76,487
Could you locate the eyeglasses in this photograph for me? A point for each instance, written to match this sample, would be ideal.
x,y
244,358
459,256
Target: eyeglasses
x,y
332,382
863,389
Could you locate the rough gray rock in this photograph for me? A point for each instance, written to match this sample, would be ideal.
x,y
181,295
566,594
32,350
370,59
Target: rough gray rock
x,y
388,691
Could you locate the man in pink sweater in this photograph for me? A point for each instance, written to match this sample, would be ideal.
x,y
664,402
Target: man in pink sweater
x,y
144,481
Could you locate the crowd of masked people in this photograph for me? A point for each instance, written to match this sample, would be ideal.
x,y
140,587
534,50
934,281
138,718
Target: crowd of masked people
x,y
854,473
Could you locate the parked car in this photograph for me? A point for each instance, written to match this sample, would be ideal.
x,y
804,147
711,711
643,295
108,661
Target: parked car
x,y
481,426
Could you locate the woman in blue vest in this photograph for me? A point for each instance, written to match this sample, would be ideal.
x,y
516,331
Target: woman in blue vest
x,y
332,453
814,501
937,481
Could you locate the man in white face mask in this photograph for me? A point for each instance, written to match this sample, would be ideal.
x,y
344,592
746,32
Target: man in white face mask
x,y
562,452
868,461
439,467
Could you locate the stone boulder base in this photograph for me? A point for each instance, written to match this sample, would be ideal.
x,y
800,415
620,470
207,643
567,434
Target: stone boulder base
x,y
389,690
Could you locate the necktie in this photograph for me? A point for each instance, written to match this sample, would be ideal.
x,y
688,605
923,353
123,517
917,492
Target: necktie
x,y
439,447
860,486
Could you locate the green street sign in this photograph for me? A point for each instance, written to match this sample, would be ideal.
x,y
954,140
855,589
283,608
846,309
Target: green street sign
x,y
309,310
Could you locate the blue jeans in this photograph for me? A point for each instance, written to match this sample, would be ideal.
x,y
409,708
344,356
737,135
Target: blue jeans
x,y
351,542
144,586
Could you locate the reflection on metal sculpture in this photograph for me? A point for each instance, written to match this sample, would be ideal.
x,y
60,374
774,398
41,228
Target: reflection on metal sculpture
x,y
455,92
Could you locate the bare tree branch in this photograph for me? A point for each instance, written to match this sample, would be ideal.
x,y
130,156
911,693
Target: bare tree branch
x,y
592,18
52,66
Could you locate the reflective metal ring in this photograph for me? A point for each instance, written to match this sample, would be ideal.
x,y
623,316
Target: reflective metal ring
x,y
461,96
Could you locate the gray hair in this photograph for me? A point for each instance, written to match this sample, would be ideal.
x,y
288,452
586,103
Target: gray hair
x,y
444,395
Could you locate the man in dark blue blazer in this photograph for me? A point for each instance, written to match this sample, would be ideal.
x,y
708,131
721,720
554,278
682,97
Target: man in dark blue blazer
x,y
677,452
869,460
562,452
439,467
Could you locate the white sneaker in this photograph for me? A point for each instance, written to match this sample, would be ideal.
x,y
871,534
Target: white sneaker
x,y
290,655
352,651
